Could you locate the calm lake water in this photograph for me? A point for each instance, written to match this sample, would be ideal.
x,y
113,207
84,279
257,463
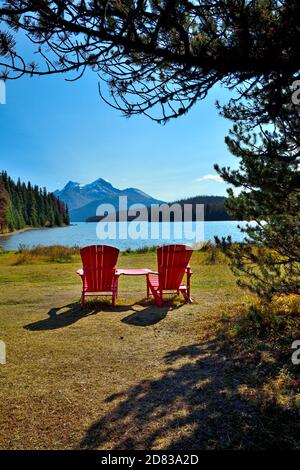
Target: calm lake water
x,y
82,234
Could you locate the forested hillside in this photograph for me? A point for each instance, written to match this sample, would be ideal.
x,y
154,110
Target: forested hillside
x,y
214,207
24,205
214,210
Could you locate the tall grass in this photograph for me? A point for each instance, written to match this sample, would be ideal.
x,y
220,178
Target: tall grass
x,y
54,254
261,336
65,254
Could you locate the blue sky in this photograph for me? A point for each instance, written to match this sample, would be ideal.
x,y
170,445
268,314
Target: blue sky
x,y
53,131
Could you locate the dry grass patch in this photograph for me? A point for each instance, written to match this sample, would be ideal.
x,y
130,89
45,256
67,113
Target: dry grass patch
x,y
130,377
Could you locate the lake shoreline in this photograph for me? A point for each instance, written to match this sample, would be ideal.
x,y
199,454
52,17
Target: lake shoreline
x,y
123,237
27,229
21,230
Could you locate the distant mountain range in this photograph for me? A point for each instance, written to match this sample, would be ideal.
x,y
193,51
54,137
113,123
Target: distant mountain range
x,y
83,200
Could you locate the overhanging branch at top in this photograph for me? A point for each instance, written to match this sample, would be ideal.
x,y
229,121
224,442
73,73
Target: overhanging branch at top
x,y
158,57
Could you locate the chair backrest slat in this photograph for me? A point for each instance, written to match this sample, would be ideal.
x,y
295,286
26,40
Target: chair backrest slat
x,y
99,266
172,263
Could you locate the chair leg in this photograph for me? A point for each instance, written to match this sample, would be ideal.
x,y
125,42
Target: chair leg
x,y
82,299
187,297
115,292
148,289
188,294
188,290
161,300
158,299
157,296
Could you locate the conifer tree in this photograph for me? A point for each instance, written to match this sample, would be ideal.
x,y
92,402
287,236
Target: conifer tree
x,y
3,205
24,205
268,263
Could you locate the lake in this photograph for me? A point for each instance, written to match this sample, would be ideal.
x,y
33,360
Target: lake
x,y
82,234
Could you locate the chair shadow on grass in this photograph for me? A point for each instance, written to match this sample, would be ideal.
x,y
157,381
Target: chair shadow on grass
x,y
66,315
150,314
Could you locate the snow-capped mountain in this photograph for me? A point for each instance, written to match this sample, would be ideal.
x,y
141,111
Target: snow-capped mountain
x,y
83,200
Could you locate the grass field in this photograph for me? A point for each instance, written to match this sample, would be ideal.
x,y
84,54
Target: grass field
x,y
137,376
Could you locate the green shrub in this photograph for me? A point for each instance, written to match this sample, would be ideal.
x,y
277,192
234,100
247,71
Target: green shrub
x,y
140,251
277,319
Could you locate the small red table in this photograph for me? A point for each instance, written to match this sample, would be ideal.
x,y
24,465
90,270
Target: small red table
x,y
135,272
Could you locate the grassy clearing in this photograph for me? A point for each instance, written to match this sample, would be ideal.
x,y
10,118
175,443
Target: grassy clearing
x,y
211,375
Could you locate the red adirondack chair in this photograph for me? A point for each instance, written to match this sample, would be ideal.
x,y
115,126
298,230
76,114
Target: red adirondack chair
x,y
99,272
173,264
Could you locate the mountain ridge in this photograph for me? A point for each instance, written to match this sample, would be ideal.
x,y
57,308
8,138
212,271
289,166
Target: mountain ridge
x,y
83,199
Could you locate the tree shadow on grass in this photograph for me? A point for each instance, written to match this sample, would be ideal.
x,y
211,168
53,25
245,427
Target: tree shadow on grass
x,y
195,404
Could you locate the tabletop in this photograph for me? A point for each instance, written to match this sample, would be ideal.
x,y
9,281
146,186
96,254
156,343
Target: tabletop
x,y
134,272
